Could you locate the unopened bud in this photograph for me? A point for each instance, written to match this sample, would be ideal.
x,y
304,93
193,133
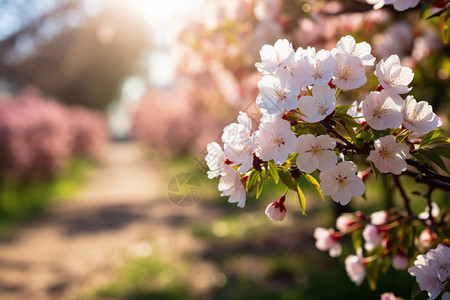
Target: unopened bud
x,y
400,261
276,210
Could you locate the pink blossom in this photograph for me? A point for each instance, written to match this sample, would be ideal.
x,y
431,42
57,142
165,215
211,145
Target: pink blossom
x,y
419,116
389,156
432,270
372,237
388,296
342,183
327,239
392,76
344,222
400,261
355,269
275,57
426,238
382,110
379,218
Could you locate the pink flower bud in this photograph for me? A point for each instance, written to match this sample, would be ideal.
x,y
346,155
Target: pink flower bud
x,y
276,210
343,223
400,261
386,243
372,237
327,239
426,238
388,296
379,218
364,174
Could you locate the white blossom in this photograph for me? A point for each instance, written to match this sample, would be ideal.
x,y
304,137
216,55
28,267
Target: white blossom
x,y
392,76
342,183
215,159
230,185
401,5
371,236
349,72
238,145
275,57
389,156
275,140
278,92
317,107
432,270
316,153
382,110
327,240
348,46
419,117
355,269
377,4
310,68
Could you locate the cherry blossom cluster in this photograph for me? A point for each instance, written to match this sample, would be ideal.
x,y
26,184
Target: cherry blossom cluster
x,y
384,238
302,87
305,131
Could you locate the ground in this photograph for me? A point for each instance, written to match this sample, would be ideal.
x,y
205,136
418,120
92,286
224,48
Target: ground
x,y
79,242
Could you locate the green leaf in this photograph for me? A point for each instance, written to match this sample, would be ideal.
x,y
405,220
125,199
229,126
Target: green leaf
x,y
357,239
292,157
274,171
342,109
287,179
372,270
260,185
315,184
252,181
424,9
435,158
442,151
301,200
433,137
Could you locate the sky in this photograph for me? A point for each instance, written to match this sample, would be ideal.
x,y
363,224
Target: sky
x,y
162,16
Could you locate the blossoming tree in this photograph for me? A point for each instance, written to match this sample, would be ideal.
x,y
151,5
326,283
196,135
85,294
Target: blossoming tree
x,y
306,132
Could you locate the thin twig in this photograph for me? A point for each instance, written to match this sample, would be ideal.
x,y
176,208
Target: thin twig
x,y
406,200
428,197
347,142
423,167
426,180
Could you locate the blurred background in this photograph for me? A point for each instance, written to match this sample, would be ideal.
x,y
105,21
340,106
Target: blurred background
x,y
106,108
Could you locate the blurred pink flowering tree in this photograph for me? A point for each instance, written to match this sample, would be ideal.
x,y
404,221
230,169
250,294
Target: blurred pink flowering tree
x,y
39,136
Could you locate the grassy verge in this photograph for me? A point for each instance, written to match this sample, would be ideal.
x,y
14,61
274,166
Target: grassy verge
x,y
20,201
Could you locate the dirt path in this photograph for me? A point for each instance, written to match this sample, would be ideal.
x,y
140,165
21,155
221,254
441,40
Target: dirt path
x,y
78,243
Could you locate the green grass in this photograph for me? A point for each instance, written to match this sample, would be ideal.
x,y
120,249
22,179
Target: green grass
x,y
19,201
